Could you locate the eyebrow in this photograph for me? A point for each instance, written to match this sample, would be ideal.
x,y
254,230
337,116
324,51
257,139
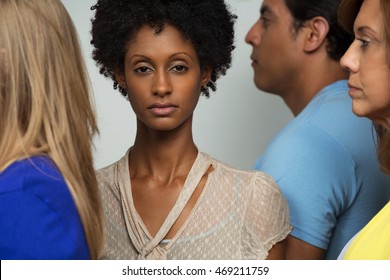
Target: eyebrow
x,y
186,54
365,28
139,56
148,59
266,9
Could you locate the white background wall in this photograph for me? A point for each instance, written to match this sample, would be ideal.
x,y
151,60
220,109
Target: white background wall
x,y
234,125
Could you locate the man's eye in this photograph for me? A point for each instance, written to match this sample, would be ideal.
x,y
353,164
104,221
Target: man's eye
x,y
264,21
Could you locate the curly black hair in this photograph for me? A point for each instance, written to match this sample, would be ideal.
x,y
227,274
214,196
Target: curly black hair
x,y
207,24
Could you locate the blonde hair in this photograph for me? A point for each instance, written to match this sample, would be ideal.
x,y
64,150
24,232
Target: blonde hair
x,y
347,13
45,102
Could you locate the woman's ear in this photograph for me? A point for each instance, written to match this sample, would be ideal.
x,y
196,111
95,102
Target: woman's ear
x,y
120,78
206,74
317,29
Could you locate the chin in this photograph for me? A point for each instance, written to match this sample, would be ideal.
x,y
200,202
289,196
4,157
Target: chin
x,y
360,110
260,85
163,127
358,113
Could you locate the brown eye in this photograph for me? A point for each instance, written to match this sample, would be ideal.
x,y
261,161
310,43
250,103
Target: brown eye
x,y
180,68
363,43
264,21
142,69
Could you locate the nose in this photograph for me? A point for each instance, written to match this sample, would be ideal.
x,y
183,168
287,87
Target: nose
x,y
161,84
350,61
253,37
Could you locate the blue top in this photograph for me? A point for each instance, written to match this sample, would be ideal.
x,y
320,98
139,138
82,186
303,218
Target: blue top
x,y
38,217
325,164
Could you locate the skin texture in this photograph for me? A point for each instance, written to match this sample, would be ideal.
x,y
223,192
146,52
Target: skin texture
x,y
366,60
295,65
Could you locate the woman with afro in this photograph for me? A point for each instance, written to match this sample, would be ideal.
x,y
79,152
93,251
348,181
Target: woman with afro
x,y
164,199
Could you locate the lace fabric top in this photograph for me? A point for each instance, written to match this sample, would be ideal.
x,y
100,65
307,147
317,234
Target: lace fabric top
x,y
239,215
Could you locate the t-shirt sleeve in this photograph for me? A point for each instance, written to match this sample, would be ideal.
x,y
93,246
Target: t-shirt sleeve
x,y
40,222
267,219
317,177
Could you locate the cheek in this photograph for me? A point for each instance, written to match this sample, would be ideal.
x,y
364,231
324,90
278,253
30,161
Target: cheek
x,y
191,97
188,85
189,94
137,94
375,79
377,96
138,89
135,104
383,91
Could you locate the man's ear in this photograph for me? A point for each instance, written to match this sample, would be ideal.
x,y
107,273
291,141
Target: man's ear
x,y
206,74
317,29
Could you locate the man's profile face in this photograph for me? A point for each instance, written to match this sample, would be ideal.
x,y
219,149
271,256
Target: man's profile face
x,y
275,47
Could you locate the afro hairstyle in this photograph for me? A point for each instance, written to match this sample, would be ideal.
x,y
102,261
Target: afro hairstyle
x,y
207,24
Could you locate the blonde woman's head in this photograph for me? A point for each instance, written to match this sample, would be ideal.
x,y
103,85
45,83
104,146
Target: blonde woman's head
x,y
42,65
45,104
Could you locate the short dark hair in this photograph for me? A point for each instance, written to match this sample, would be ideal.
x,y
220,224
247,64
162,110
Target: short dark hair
x,y
208,25
338,39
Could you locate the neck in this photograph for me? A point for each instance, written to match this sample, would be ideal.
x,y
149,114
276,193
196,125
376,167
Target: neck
x,y
162,154
313,78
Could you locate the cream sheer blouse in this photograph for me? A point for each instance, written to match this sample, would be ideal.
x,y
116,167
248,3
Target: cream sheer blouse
x,y
239,215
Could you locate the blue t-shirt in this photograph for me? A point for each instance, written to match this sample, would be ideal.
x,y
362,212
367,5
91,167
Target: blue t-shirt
x,y
325,164
38,217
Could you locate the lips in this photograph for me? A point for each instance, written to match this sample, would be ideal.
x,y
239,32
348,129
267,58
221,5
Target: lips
x,y
351,86
253,59
162,109
353,90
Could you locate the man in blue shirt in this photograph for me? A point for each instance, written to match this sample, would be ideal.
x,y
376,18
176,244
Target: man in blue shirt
x,y
324,160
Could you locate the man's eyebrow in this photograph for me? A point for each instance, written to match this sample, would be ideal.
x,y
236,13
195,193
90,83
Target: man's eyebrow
x,y
265,9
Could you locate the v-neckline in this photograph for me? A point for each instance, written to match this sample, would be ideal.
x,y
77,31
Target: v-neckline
x,y
134,222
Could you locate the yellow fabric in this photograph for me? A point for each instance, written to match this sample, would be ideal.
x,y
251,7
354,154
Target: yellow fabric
x,y
373,242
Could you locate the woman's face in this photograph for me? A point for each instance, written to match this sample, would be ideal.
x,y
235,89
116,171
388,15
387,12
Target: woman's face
x,y
366,60
163,78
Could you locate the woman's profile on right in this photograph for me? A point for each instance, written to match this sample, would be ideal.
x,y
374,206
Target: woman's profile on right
x,y
368,61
